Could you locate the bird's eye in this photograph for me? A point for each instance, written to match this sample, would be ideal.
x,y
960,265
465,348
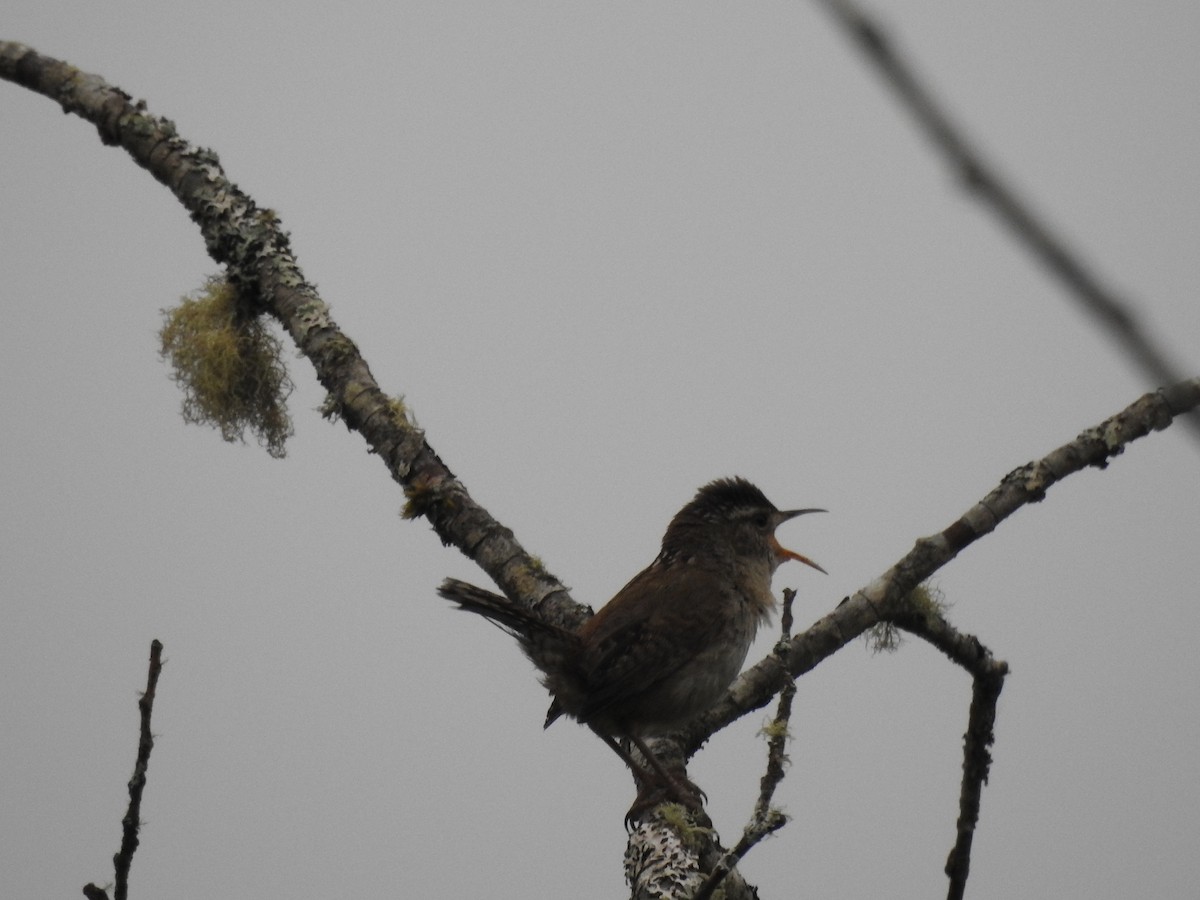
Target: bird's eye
x,y
762,519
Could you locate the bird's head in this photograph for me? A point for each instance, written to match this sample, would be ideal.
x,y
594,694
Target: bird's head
x,y
730,516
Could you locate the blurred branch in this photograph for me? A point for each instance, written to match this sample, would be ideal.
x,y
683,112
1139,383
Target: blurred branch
x,y
132,822
1111,313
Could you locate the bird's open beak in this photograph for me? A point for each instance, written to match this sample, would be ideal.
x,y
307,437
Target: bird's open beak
x,y
783,552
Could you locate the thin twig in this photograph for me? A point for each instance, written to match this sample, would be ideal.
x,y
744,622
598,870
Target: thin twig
x,y
130,825
977,761
755,832
766,819
1113,314
777,734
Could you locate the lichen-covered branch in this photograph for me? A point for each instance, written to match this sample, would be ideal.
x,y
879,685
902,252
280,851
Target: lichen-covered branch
x,y
988,674
884,598
888,599
250,242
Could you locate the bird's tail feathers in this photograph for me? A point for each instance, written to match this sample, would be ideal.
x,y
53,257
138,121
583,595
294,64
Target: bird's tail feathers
x,y
542,642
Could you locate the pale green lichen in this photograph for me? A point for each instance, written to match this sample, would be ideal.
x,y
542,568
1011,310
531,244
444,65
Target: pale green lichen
x,y
883,637
680,820
398,408
229,367
417,502
330,408
775,729
925,600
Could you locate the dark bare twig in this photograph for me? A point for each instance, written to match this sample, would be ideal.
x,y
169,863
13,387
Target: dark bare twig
x,y
132,821
1113,314
130,825
977,761
755,831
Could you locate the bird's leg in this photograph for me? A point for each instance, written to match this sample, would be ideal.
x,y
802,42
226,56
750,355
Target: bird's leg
x,y
680,786
652,790
639,772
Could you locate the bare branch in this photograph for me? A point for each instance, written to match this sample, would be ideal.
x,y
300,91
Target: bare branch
x,y
132,822
1113,314
977,761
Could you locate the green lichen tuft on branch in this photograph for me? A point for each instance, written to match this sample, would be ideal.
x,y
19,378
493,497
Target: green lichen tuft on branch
x,y
229,366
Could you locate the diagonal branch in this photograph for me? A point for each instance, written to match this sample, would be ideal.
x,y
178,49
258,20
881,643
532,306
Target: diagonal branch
x,y
1113,314
884,598
887,600
249,241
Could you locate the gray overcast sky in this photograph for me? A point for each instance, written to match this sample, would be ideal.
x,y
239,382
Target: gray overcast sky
x,y
607,253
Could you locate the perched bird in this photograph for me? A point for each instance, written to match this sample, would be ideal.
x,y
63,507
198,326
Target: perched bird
x,y
669,644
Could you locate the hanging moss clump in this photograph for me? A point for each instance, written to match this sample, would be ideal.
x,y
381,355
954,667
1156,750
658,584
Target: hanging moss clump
x,y
229,367
925,601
